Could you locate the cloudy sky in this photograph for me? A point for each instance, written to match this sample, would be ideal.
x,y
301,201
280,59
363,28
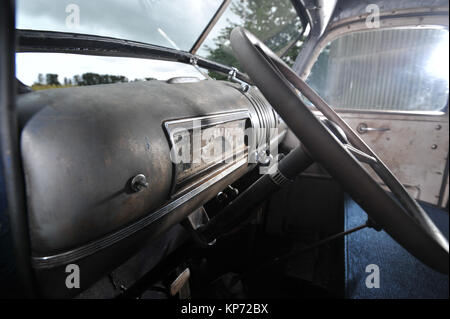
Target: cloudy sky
x,y
174,23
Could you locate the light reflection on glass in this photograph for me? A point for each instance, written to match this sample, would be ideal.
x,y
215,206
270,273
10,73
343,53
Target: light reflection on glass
x,y
401,69
438,63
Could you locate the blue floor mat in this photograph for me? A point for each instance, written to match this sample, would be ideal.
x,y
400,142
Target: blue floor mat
x,y
401,274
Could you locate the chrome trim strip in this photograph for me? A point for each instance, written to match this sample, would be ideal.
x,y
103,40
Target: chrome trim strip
x,y
213,119
108,240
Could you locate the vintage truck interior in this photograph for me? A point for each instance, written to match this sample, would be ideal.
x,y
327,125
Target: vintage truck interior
x,y
340,164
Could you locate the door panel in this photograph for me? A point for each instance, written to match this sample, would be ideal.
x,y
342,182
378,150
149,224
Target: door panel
x,y
415,148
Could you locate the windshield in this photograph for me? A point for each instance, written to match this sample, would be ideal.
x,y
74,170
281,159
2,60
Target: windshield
x,y
275,22
175,23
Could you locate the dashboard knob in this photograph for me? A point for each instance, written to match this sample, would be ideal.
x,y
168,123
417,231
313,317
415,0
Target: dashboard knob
x,y
139,182
222,197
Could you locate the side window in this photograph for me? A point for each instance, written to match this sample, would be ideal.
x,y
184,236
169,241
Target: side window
x,y
385,69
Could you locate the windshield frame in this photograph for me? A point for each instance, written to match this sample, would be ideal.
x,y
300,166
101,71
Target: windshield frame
x,y
197,44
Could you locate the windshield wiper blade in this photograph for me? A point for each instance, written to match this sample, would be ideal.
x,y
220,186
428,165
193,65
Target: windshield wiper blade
x,y
85,44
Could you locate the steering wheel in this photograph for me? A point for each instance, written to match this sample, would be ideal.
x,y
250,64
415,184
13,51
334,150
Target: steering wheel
x,y
346,159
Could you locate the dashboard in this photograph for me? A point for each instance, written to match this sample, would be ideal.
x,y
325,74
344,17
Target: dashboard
x,y
109,167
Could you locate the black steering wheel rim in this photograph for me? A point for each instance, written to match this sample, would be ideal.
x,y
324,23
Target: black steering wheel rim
x,y
399,215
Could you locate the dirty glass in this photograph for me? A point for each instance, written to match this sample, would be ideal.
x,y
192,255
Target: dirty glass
x,y
175,23
274,22
385,69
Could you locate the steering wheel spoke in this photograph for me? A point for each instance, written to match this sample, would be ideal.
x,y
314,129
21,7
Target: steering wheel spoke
x,y
360,155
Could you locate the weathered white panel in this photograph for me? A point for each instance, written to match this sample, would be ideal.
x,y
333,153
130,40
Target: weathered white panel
x,y
415,148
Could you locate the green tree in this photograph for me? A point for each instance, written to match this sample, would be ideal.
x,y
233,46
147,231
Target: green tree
x,y
40,79
76,79
276,23
52,79
95,78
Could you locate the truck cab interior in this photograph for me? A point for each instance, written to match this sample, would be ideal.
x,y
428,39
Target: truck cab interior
x,y
224,149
